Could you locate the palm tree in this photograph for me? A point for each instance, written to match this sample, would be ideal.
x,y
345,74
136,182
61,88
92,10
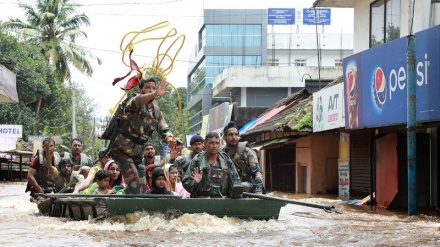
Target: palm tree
x,y
54,25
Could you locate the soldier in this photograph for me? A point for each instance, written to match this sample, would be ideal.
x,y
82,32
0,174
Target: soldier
x,y
182,161
76,156
41,164
137,119
64,175
149,154
245,159
212,173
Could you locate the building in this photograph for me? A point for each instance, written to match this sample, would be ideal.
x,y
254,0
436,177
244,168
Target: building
x,y
379,152
238,59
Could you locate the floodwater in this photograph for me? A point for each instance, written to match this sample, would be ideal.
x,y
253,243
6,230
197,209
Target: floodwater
x,y
21,225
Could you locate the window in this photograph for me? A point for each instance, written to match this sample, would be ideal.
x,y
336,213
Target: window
x,y
300,62
232,35
385,21
272,62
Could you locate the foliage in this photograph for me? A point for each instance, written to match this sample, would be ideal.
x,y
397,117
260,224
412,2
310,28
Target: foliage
x,y
54,26
301,118
32,73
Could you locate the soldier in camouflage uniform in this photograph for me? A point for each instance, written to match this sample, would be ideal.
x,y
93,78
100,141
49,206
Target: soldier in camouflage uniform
x,y
139,118
182,161
245,160
212,173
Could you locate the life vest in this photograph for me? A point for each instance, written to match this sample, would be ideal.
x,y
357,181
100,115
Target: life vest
x,y
83,161
215,180
60,182
239,159
42,174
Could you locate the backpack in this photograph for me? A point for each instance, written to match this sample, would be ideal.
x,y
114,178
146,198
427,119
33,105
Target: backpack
x,y
113,126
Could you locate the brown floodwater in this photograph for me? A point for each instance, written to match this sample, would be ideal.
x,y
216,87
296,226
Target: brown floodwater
x,y
21,225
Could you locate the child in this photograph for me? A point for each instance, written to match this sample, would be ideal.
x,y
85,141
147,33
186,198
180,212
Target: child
x,y
102,180
159,181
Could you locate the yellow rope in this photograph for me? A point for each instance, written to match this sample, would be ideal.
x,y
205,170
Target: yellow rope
x,y
160,57
112,110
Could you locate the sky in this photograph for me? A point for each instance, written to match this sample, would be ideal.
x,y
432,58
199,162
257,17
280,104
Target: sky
x,y
110,20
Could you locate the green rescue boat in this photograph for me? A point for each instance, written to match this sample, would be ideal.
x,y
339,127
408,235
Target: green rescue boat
x,y
86,207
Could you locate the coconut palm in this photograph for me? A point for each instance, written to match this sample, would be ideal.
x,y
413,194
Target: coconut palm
x,y
54,25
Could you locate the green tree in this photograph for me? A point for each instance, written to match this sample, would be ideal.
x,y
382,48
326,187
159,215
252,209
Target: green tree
x,y
54,25
32,74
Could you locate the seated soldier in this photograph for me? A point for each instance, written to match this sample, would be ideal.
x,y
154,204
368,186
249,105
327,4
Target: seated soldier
x,y
212,173
65,179
182,161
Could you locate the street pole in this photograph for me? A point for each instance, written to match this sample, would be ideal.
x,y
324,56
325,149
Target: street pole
x,y
411,119
74,133
93,139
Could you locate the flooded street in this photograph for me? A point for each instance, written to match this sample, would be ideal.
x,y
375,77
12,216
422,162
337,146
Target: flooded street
x,y
21,225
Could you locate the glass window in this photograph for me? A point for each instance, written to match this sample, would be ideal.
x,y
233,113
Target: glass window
x,y
233,35
209,41
385,21
226,40
300,62
217,30
226,29
392,30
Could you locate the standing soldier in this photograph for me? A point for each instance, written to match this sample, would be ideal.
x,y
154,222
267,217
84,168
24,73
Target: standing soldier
x,y
245,159
135,121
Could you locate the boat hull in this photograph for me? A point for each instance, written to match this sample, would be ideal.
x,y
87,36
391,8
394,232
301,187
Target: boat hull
x,y
84,207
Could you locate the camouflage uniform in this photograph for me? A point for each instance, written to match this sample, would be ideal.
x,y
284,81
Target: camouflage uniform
x,y
246,162
217,180
182,162
136,125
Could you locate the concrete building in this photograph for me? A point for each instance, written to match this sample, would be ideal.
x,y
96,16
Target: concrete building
x,y
237,59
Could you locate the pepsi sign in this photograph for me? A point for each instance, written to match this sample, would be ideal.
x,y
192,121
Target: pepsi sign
x,y
376,82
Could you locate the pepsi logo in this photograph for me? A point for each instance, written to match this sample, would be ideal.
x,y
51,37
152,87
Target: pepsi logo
x,y
379,87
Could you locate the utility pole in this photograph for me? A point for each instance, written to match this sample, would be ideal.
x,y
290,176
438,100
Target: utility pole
x,y
93,139
411,114
74,133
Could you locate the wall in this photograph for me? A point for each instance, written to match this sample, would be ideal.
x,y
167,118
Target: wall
x,y
303,157
324,155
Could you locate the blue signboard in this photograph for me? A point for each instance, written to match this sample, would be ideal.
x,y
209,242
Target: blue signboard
x,y
323,17
281,16
375,82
